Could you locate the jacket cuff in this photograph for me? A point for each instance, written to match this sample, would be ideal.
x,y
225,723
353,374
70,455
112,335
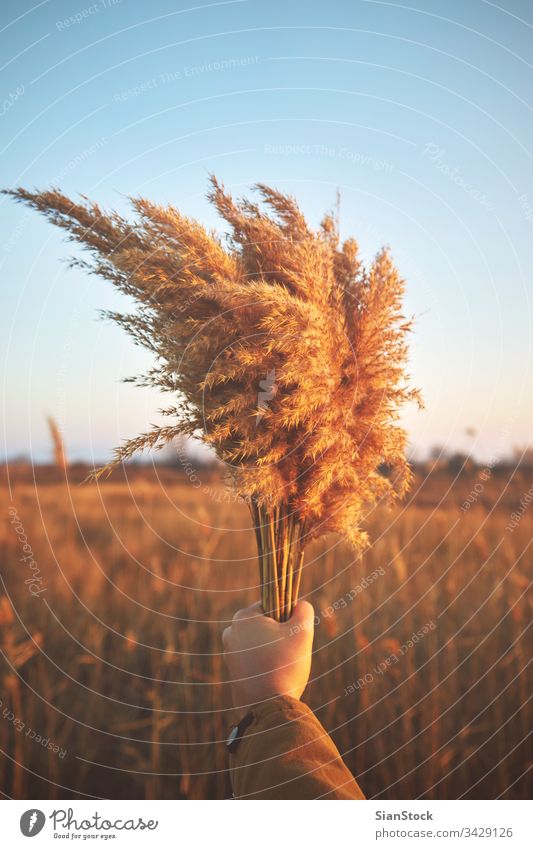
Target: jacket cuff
x,y
275,716
289,710
286,705
285,753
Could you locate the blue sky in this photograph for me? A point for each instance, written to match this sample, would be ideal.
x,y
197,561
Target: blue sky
x,y
424,121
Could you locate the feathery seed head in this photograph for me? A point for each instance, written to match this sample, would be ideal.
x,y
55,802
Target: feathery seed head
x,y
277,304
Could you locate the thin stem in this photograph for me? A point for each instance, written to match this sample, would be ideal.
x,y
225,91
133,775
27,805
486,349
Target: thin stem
x,y
274,571
298,579
301,544
289,586
284,564
260,554
265,576
292,551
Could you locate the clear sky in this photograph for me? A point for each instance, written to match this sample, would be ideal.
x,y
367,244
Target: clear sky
x,y
421,113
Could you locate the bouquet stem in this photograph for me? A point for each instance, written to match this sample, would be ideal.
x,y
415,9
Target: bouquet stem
x,y
280,542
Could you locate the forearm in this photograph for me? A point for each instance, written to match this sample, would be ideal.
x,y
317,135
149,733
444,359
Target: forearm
x,y
287,754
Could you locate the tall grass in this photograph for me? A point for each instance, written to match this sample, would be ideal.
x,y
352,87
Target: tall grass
x,y
118,662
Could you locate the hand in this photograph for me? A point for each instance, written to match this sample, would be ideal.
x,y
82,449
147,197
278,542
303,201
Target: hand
x,y
266,658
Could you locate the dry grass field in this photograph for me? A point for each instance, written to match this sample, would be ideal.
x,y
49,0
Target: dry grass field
x,y
111,677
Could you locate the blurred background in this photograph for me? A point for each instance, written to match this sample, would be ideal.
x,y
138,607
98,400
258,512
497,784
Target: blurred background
x,y
113,596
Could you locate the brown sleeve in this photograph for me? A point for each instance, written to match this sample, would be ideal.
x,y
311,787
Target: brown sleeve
x,y
285,753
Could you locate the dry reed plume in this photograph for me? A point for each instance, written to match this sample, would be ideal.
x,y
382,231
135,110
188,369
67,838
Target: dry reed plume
x,y
60,454
280,348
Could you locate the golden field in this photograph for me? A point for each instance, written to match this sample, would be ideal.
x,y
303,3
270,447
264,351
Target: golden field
x,y
112,683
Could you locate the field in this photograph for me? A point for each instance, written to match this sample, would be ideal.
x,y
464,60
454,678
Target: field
x,y
112,683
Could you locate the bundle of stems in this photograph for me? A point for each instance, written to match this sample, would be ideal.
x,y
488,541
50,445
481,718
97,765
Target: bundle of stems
x,y
280,537
273,302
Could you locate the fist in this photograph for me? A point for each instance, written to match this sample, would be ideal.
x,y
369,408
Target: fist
x,y
266,658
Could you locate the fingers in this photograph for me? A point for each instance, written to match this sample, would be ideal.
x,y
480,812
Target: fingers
x,y
245,615
303,614
252,621
251,612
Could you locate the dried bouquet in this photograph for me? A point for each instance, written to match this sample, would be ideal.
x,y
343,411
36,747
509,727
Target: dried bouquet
x,y
278,346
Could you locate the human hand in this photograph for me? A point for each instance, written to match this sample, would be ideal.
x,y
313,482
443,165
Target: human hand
x,y
266,658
